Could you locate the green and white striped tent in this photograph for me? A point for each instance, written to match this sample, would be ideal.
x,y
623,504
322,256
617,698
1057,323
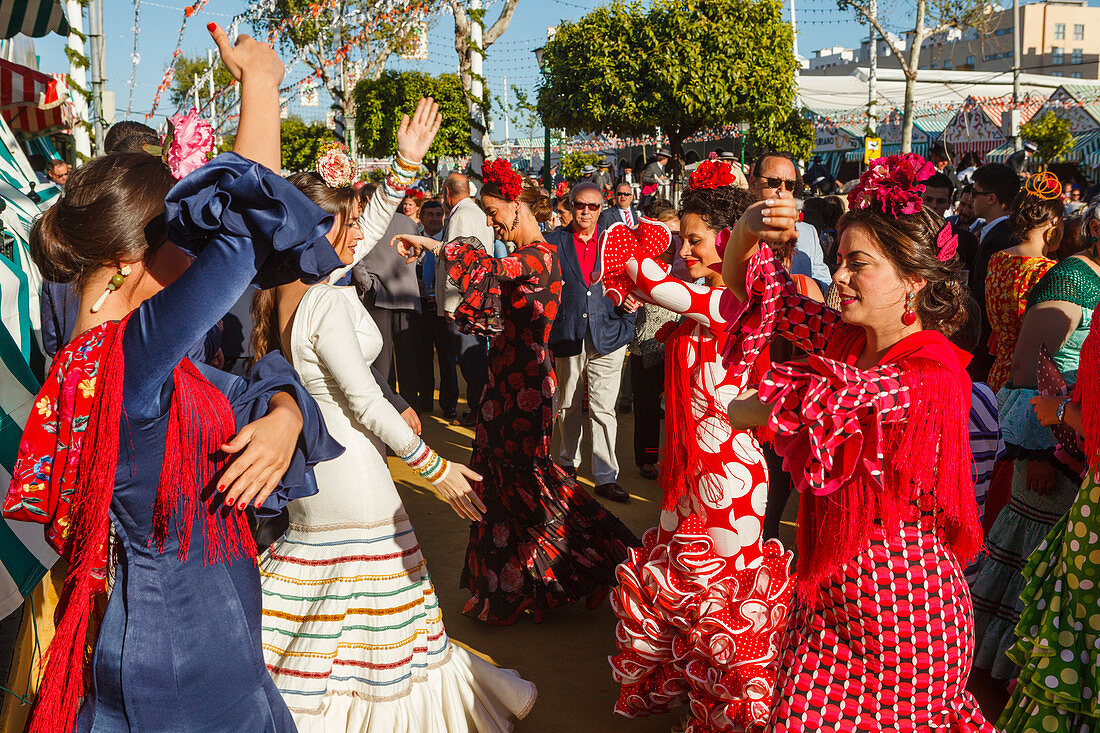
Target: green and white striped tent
x,y
34,18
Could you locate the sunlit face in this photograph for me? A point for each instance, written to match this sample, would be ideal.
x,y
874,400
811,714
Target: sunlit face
x,y
586,208
965,209
502,216
410,207
345,236
431,218
565,216
777,179
872,292
59,173
624,197
937,199
697,248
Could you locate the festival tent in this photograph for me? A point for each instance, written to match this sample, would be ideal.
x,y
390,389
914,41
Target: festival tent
x,y
1080,105
32,103
33,18
976,128
927,128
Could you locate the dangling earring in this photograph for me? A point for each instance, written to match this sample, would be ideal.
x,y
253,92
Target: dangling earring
x,y
515,221
909,317
1048,236
112,285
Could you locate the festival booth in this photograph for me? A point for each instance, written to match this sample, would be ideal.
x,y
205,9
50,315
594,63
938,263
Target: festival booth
x,y
838,137
976,128
927,128
1079,104
33,105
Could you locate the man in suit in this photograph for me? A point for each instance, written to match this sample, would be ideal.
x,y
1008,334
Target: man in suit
x,y
602,179
589,339
465,219
937,198
655,177
623,209
588,174
626,175
995,188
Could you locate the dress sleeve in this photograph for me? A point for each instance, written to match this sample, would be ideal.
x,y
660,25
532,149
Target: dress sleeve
x,y
373,222
333,336
828,418
478,274
244,225
270,375
774,306
654,282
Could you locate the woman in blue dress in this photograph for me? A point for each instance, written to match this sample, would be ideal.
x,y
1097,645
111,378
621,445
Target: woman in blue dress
x,y
127,457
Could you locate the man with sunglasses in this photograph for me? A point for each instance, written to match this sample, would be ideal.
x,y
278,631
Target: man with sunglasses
x,y
775,176
588,339
621,210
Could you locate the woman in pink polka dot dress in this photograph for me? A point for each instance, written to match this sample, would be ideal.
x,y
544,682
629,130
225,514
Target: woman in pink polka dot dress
x,y
702,605
873,429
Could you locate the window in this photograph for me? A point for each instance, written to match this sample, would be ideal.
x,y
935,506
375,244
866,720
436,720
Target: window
x,y
1057,73
1078,31
969,60
1077,56
1056,56
947,64
1059,31
1075,75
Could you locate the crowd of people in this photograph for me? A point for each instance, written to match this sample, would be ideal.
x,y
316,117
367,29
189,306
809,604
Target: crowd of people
x,y
918,358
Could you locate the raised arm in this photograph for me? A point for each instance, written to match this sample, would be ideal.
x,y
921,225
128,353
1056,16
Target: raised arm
x,y
764,221
258,70
654,283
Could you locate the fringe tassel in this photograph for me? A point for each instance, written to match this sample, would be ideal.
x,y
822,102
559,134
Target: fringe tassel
x,y
1087,393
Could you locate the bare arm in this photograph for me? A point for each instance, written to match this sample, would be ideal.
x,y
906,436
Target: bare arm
x,y
767,221
259,71
1050,322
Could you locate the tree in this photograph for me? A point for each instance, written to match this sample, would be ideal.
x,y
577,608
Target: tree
x,y
572,163
186,69
302,143
379,104
793,133
1051,136
931,17
674,66
323,35
472,39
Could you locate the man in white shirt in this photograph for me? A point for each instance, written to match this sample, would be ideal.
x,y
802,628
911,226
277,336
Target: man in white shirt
x,y
623,209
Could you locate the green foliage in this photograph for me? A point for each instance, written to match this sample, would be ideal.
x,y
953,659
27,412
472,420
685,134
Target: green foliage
x,y
187,68
572,163
1051,136
381,102
677,65
792,132
302,143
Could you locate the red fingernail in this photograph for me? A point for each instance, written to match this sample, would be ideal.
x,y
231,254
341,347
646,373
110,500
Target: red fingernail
x,y
221,487
211,26
229,502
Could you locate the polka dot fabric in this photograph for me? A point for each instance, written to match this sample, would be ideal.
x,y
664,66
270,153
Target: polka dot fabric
x,y
886,645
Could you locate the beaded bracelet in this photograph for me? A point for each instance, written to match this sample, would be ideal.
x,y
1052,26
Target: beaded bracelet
x,y
406,164
426,462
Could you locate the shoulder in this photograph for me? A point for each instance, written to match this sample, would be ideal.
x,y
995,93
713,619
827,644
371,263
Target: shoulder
x,y
324,306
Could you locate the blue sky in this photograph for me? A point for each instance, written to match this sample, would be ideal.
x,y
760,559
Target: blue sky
x,y
820,24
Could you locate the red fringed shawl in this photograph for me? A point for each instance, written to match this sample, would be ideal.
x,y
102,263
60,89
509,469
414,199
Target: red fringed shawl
x,y
65,475
1087,394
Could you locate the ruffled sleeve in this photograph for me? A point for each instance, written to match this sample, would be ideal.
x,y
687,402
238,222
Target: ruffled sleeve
x,y
477,274
271,375
828,418
774,306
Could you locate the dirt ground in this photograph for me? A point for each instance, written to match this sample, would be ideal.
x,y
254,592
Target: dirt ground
x,y
566,655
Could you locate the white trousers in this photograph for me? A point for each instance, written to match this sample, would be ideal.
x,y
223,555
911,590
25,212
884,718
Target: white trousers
x,y
604,372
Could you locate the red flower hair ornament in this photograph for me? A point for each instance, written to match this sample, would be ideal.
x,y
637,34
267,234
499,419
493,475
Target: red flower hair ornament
x,y
499,171
562,189
711,174
893,184
414,193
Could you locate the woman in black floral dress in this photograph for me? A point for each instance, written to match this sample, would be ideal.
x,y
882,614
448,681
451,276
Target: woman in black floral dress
x,y
543,541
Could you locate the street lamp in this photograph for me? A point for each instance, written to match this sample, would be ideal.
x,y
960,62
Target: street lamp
x,y
546,180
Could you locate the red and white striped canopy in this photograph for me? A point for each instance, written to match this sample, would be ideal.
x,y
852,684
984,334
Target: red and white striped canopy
x,y
34,103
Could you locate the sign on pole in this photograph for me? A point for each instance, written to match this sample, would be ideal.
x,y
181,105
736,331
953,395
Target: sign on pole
x,y
872,148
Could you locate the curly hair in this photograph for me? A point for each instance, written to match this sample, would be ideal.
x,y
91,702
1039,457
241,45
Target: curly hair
x,y
719,208
1031,211
909,242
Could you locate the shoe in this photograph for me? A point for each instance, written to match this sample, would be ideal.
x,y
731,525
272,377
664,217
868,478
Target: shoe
x,y
571,470
449,415
613,491
649,471
467,420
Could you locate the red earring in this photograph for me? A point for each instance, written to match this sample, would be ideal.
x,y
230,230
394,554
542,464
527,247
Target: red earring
x,y
909,317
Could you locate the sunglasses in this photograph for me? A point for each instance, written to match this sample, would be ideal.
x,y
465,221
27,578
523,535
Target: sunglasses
x,y
976,192
624,193
780,183
591,207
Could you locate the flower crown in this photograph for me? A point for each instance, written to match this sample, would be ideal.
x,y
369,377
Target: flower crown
x,y
499,171
414,193
893,184
711,174
335,167
187,146
1044,185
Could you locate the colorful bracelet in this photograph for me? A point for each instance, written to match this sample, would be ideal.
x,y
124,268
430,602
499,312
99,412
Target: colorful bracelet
x,y
426,462
406,164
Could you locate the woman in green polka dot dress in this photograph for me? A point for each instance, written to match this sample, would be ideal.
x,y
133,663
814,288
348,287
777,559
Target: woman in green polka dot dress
x,y
1058,636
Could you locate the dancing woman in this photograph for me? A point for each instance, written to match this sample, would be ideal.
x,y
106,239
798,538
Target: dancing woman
x,y
353,633
130,439
873,429
542,542
704,574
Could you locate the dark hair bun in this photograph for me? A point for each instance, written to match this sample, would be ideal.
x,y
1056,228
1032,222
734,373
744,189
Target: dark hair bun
x,y
537,200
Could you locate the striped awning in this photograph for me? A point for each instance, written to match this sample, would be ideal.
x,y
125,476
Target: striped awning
x,y
1085,144
34,18
33,103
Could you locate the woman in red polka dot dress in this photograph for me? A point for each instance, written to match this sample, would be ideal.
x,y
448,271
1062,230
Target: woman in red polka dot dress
x,y
702,605
873,428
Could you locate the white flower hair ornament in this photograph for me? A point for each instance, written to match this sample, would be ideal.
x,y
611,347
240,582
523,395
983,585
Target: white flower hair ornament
x,y
335,167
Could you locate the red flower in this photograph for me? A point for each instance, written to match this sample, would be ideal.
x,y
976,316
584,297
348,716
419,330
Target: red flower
x,y
894,183
711,174
499,171
529,399
511,577
562,189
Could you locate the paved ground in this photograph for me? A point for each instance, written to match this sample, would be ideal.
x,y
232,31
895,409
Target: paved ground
x,y
566,655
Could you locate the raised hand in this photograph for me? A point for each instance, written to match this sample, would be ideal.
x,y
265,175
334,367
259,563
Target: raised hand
x,y
415,134
410,246
247,57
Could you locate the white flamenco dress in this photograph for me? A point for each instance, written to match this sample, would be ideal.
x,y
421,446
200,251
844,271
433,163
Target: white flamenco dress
x,y
352,630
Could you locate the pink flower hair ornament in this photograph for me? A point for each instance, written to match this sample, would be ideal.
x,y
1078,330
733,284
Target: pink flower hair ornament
x,y
499,171
893,184
947,243
335,167
188,145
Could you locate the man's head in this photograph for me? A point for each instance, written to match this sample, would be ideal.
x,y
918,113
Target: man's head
x,y
563,210
587,203
456,187
965,208
431,217
940,155
128,136
937,193
58,172
627,169
774,176
995,187
663,156
624,196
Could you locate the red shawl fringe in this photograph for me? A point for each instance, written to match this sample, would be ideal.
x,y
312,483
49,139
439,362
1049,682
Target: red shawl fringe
x,y
1087,393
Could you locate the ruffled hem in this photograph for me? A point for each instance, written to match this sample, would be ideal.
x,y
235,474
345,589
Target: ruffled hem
x,y
466,693
544,541
1019,426
619,245
692,632
479,312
